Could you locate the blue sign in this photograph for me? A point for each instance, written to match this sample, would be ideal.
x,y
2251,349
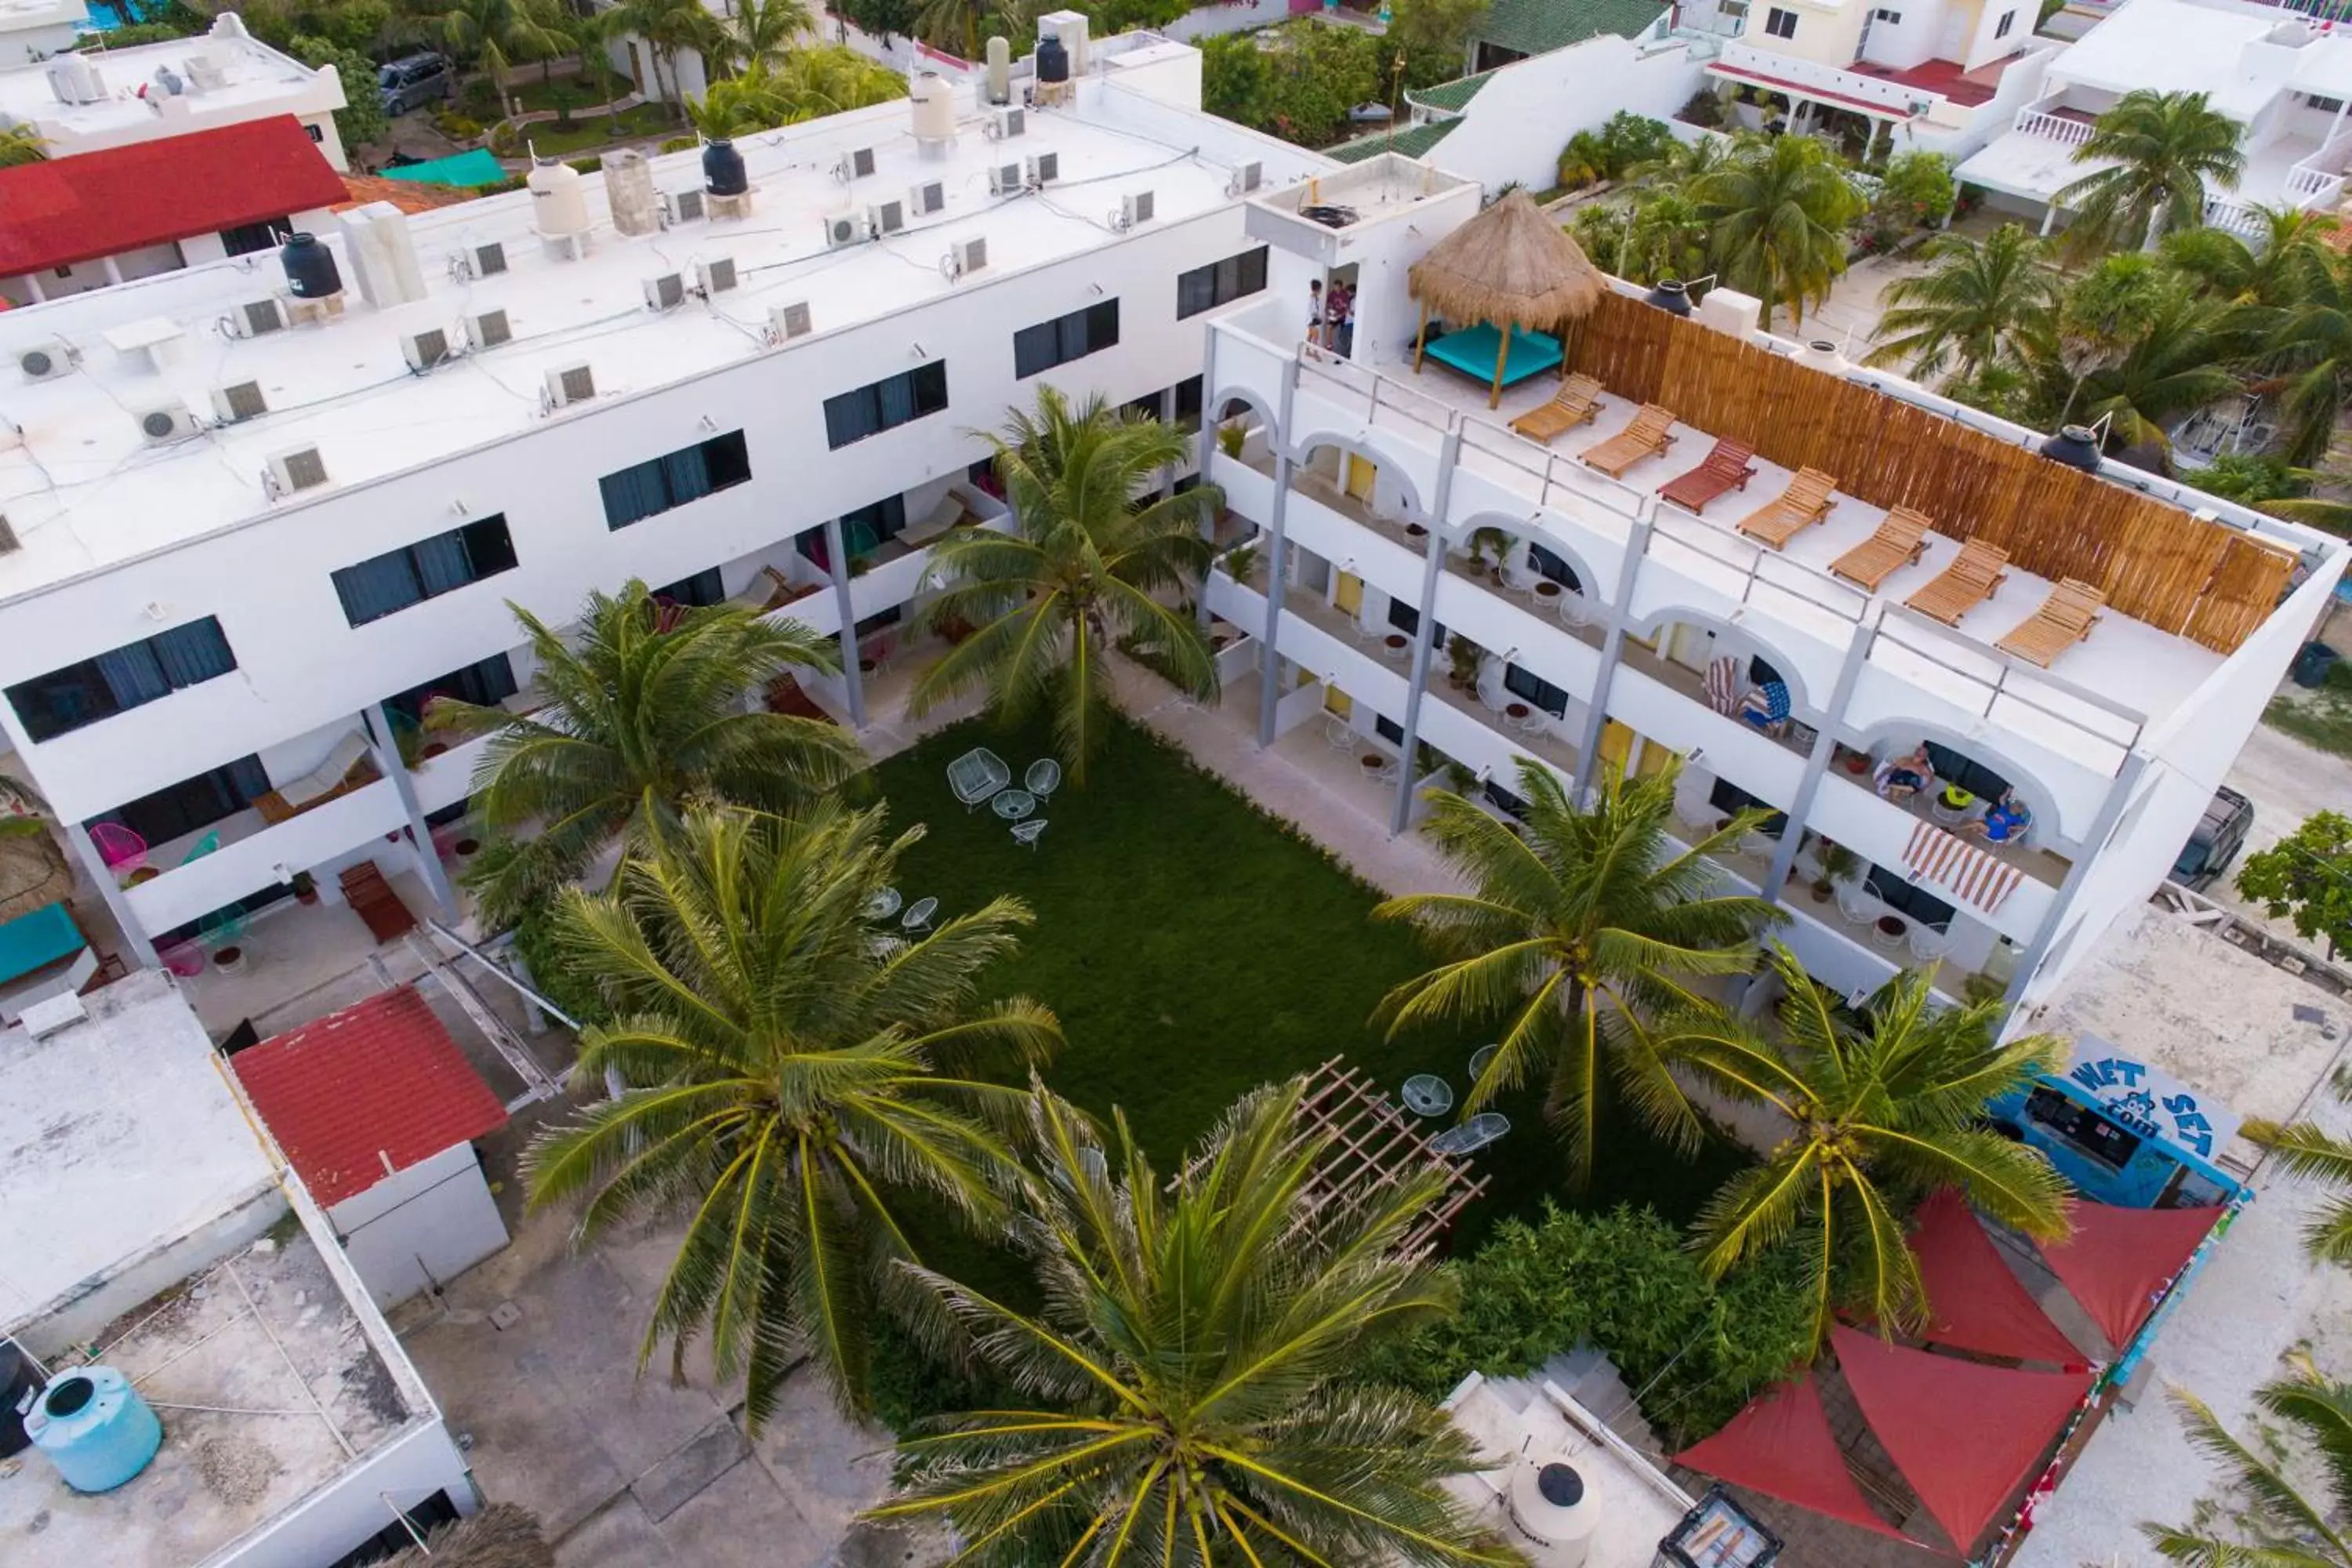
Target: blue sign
x,y
2148,1100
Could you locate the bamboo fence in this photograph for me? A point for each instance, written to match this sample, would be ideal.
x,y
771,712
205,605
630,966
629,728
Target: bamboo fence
x,y
2154,562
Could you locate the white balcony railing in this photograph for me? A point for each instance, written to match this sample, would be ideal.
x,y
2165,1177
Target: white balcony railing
x,y
2035,121
2318,180
2234,217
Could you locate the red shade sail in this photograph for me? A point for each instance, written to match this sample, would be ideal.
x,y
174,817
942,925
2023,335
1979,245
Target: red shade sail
x,y
2119,1259
1974,1302
1781,1446
1966,1436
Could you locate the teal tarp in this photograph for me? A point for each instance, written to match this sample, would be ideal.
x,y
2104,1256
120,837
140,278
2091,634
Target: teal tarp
x,y
474,168
32,943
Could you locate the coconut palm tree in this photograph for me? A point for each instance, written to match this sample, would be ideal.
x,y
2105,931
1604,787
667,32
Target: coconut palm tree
x,y
801,1076
496,34
2293,262
2303,358
1881,1111
759,32
2272,1521
955,24
1664,237
1966,311
2176,364
642,717
21,145
2307,1150
1091,570
1191,1366
2165,152
1779,208
668,29
808,84
1584,936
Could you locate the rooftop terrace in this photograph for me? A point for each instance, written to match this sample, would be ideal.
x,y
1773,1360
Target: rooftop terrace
x,y
82,490
253,76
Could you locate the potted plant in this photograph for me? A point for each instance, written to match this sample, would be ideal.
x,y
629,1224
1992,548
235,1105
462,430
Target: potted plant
x,y
1488,546
1465,656
1241,563
1459,778
1230,438
230,957
306,888
1853,761
1838,864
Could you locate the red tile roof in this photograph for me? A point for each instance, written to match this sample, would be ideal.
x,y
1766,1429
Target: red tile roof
x,y
64,210
380,1079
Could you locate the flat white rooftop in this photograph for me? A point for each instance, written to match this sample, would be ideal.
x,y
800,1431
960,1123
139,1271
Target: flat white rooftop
x,y
118,1138
2166,46
82,490
256,77
1515,1422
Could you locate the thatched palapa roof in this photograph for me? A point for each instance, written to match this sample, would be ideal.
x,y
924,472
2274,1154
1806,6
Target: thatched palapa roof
x,y
501,1536
32,874
1509,265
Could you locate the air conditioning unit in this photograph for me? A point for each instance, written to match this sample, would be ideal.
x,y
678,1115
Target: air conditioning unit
x,y
1135,208
205,73
1006,122
681,206
666,291
965,255
297,468
570,384
843,228
856,164
885,217
43,360
160,423
786,322
1044,168
256,317
488,329
232,404
716,275
481,261
1006,179
926,198
424,350
1247,178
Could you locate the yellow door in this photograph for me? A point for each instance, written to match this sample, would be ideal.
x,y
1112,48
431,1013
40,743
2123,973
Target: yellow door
x,y
1360,474
1348,597
1654,758
1335,701
1616,745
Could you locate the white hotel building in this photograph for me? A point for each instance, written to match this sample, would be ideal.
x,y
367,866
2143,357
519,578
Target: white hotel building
x,y
231,564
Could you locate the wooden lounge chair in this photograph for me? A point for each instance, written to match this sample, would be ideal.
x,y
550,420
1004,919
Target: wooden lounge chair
x,y
1898,542
1805,502
374,901
2064,620
1650,433
1576,403
1967,583
1726,467
350,766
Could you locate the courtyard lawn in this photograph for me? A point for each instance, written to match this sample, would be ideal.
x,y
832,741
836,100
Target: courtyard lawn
x,y
1194,948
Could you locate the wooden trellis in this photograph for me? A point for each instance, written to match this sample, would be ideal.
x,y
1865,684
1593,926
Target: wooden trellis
x,y
1369,1143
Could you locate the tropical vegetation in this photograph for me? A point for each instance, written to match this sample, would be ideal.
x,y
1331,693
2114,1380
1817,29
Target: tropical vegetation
x,y
2307,878
495,35
1299,80
643,717
1584,939
2287,1491
791,1083
805,84
2163,155
1189,1372
1098,567
2313,1153
1974,309
1881,1106
1779,209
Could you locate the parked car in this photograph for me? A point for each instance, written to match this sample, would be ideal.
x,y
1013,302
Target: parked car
x,y
414,80
2215,843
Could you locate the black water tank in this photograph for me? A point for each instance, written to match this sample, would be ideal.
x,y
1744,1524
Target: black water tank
x,y
722,169
311,270
1052,61
1668,295
18,1377
2076,446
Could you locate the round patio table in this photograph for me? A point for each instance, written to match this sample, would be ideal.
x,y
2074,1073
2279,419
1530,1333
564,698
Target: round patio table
x,y
884,904
1012,804
1372,762
1414,530
1426,1094
1548,590
1396,643
1891,930
1517,712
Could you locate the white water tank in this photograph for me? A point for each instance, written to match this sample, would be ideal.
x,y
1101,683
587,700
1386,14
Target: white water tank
x,y
1822,354
934,102
629,191
1557,1506
382,254
1000,70
1070,28
558,208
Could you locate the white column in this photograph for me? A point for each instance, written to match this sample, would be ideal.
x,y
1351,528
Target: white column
x,y
101,877
386,747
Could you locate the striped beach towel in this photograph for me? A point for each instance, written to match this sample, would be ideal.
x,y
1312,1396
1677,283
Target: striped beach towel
x,y
1967,871
1722,686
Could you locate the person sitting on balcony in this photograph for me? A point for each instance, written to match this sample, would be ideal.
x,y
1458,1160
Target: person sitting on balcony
x,y
2007,819
1767,706
1900,778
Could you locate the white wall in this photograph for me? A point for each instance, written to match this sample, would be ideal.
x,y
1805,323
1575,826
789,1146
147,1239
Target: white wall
x,y
422,1461
141,1278
427,1224
1520,119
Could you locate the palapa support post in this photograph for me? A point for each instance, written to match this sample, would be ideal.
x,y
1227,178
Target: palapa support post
x,y
1420,341
1503,330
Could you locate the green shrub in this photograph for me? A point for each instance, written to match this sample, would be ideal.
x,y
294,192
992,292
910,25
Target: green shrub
x,y
457,127
681,144
1706,108
1624,1283
588,165
2250,478
535,944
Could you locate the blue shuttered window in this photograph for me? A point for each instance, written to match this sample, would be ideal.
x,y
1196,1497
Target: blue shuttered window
x,y
64,699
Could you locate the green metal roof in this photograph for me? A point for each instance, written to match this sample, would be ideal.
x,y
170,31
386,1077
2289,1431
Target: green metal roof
x,y
1537,27
1411,142
1450,96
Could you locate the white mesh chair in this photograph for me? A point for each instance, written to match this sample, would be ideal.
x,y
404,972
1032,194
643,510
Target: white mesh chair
x,y
1471,1135
1029,832
919,917
884,904
1927,943
1854,904
1574,610
1479,1059
1521,578
1339,734
1044,777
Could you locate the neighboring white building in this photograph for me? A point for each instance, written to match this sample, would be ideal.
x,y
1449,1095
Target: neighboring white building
x,y
2285,79
194,618
33,30
1623,628
144,1229
94,99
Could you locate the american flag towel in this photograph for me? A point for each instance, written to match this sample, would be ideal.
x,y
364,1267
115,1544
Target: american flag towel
x,y
1722,686
1967,870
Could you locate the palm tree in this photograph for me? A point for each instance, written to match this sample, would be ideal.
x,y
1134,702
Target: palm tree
x,y
800,1076
1191,1366
2307,1150
2165,151
669,29
2304,357
1585,935
1780,208
21,145
1966,312
1664,237
1089,569
496,34
807,85
2271,1523
639,720
2176,364
1881,1112
2293,262
954,25
759,32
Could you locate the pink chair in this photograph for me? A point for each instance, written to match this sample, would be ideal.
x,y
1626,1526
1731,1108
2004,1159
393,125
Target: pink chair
x,y
186,960
122,849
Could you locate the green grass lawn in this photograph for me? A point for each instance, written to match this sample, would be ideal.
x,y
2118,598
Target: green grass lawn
x,y
1194,948
588,131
